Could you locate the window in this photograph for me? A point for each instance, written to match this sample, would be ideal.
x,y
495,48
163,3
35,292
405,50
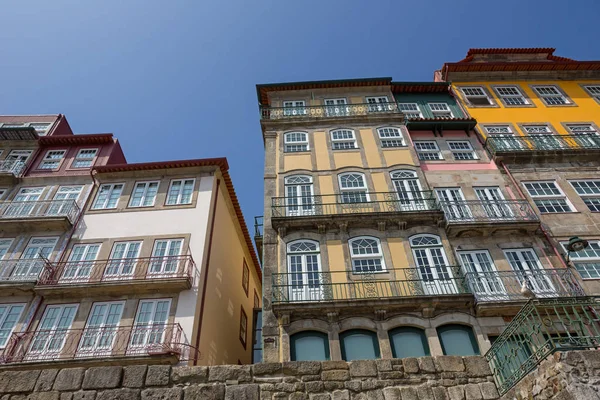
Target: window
x,y
84,158
391,137
528,269
245,277
81,262
586,134
336,107
458,340
9,316
358,344
108,196
52,330
149,327
440,110
343,139
594,91
428,151
366,255
293,108
4,246
165,258
180,191
52,159
32,261
432,264
243,326
482,275
353,188
41,128
548,197
123,260
511,95
101,328
498,129
309,346
408,342
378,104
304,270
462,150
64,200
536,129
408,190
476,96
295,142
299,196
144,194
589,192
410,110
257,341
502,137
551,95
587,261
256,300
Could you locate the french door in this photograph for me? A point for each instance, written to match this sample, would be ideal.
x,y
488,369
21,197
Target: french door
x,y
165,259
453,203
493,203
80,264
436,276
529,269
123,260
60,205
304,277
15,161
293,108
482,275
378,104
52,333
149,327
32,261
24,202
336,107
409,193
299,196
101,329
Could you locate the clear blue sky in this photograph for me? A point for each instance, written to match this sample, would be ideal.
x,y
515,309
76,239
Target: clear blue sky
x,y
176,79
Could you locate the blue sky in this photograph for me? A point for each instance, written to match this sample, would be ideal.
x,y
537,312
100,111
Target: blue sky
x,y
176,79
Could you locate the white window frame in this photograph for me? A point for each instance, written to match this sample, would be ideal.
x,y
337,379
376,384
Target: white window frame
x,y
587,266
116,266
469,150
151,329
485,282
593,91
89,161
546,97
167,264
544,197
98,339
391,137
343,141
488,128
292,108
350,190
504,97
9,308
408,112
370,256
593,197
436,112
304,284
45,132
47,160
104,205
375,104
437,151
295,146
81,270
144,194
54,334
298,202
482,95
179,201
339,108
536,127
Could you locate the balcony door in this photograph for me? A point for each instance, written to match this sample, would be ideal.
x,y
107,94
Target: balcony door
x,y
63,200
24,202
453,203
304,271
165,257
101,330
294,108
493,203
123,260
149,326
299,195
15,161
408,190
378,104
529,269
432,264
32,259
52,333
80,264
336,107
484,279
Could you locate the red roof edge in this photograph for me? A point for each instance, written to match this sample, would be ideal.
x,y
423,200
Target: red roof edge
x,y
76,139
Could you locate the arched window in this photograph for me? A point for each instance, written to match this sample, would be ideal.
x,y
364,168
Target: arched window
x,y
299,196
366,255
359,344
458,340
343,139
295,142
304,271
353,188
309,346
408,189
407,341
432,264
391,137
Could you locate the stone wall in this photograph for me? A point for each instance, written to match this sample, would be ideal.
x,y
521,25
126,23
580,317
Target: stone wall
x,y
425,378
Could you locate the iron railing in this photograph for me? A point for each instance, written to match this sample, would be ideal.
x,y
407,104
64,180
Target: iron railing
x,y
328,111
542,142
39,209
542,327
319,286
26,270
95,342
501,286
354,202
14,167
476,211
118,270
258,227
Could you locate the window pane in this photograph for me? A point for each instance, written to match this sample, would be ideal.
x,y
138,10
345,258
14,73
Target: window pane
x,y
458,340
309,346
408,342
359,345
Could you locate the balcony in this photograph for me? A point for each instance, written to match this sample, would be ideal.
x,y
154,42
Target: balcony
x,y
355,209
498,293
258,235
394,289
18,133
18,276
487,218
117,276
10,170
38,215
116,345
331,112
544,148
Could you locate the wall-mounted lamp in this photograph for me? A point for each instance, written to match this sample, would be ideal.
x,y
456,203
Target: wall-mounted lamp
x,y
575,244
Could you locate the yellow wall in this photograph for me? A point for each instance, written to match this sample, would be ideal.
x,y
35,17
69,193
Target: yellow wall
x,y
586,109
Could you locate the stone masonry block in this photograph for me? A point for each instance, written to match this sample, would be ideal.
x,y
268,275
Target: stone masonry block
x,y
44,396
488,391
363,368
340,395
425,393
409,393
158,375
189,375
314,387
456,392
66,396
384,365
204,392
472,392
46,380
84,395
329,365
301,367
411,365
392,393
477,366
267,369
426,364
222,373
440,393
322,396
102,378
174,393
335,375
134,376
119,394
242,392
69,379
449,363
18,381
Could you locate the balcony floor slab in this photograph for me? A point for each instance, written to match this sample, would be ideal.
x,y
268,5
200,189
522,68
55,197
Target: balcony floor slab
x,y
113,288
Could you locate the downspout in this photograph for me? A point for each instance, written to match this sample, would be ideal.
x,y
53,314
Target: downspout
x,y
203,299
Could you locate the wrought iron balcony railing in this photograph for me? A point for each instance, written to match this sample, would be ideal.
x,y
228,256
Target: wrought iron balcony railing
x,y
542,142
328,111
16,210
118,270
501,286
299,287
95,343
542,327
26,270
14,167
354,202
477,211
